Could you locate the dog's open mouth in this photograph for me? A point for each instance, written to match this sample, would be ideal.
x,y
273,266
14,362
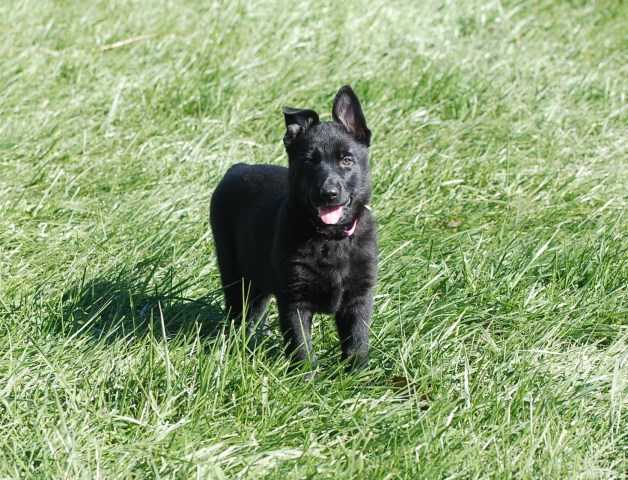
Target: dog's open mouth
x,y
330,215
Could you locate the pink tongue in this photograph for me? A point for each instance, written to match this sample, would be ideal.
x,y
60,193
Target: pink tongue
x,y
330,215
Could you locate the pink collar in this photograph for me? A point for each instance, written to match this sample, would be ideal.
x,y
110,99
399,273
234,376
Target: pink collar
x,y
347,232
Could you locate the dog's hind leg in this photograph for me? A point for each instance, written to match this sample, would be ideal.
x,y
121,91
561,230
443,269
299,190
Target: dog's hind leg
x,y
234,300
256,319
242,299
228,267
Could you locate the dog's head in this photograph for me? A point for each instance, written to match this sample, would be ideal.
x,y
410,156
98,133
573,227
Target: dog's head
x,y
329,172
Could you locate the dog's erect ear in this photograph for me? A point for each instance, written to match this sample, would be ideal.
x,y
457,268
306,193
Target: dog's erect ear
x,y
297,122
348,112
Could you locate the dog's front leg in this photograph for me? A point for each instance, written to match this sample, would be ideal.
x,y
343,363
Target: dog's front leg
x,y
296,326
353,321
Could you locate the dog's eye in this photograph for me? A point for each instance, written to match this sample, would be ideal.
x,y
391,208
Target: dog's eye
x,y
311,159
346,161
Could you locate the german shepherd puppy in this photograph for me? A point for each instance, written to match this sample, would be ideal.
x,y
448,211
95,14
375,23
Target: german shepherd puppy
x,y
304,234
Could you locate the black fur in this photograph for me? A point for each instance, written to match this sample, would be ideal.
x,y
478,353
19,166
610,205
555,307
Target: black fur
x,y
270,239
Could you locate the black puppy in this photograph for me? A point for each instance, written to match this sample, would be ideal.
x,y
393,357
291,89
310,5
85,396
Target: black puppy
x,y
303,234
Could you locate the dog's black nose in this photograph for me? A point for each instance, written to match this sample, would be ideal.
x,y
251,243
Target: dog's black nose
x,y
329,193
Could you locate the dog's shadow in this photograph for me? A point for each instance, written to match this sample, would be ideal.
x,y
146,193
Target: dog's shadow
x,y
134,303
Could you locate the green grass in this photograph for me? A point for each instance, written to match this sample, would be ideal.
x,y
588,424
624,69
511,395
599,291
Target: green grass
x,y
499,170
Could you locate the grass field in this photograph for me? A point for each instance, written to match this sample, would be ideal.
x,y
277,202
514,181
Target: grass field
x,y
500,185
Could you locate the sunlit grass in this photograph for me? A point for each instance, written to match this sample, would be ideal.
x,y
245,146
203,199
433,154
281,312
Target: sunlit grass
x,y
498,164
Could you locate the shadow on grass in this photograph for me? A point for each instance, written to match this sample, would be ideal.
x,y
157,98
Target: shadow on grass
x,y
136,302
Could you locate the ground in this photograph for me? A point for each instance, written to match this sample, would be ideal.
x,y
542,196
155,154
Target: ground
x,y
498,161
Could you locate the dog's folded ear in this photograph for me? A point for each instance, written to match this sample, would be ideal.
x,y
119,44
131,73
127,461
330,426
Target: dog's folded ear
x,y
297,122
348,112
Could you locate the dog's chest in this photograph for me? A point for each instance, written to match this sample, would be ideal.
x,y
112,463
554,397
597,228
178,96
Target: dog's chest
x,y
322,274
